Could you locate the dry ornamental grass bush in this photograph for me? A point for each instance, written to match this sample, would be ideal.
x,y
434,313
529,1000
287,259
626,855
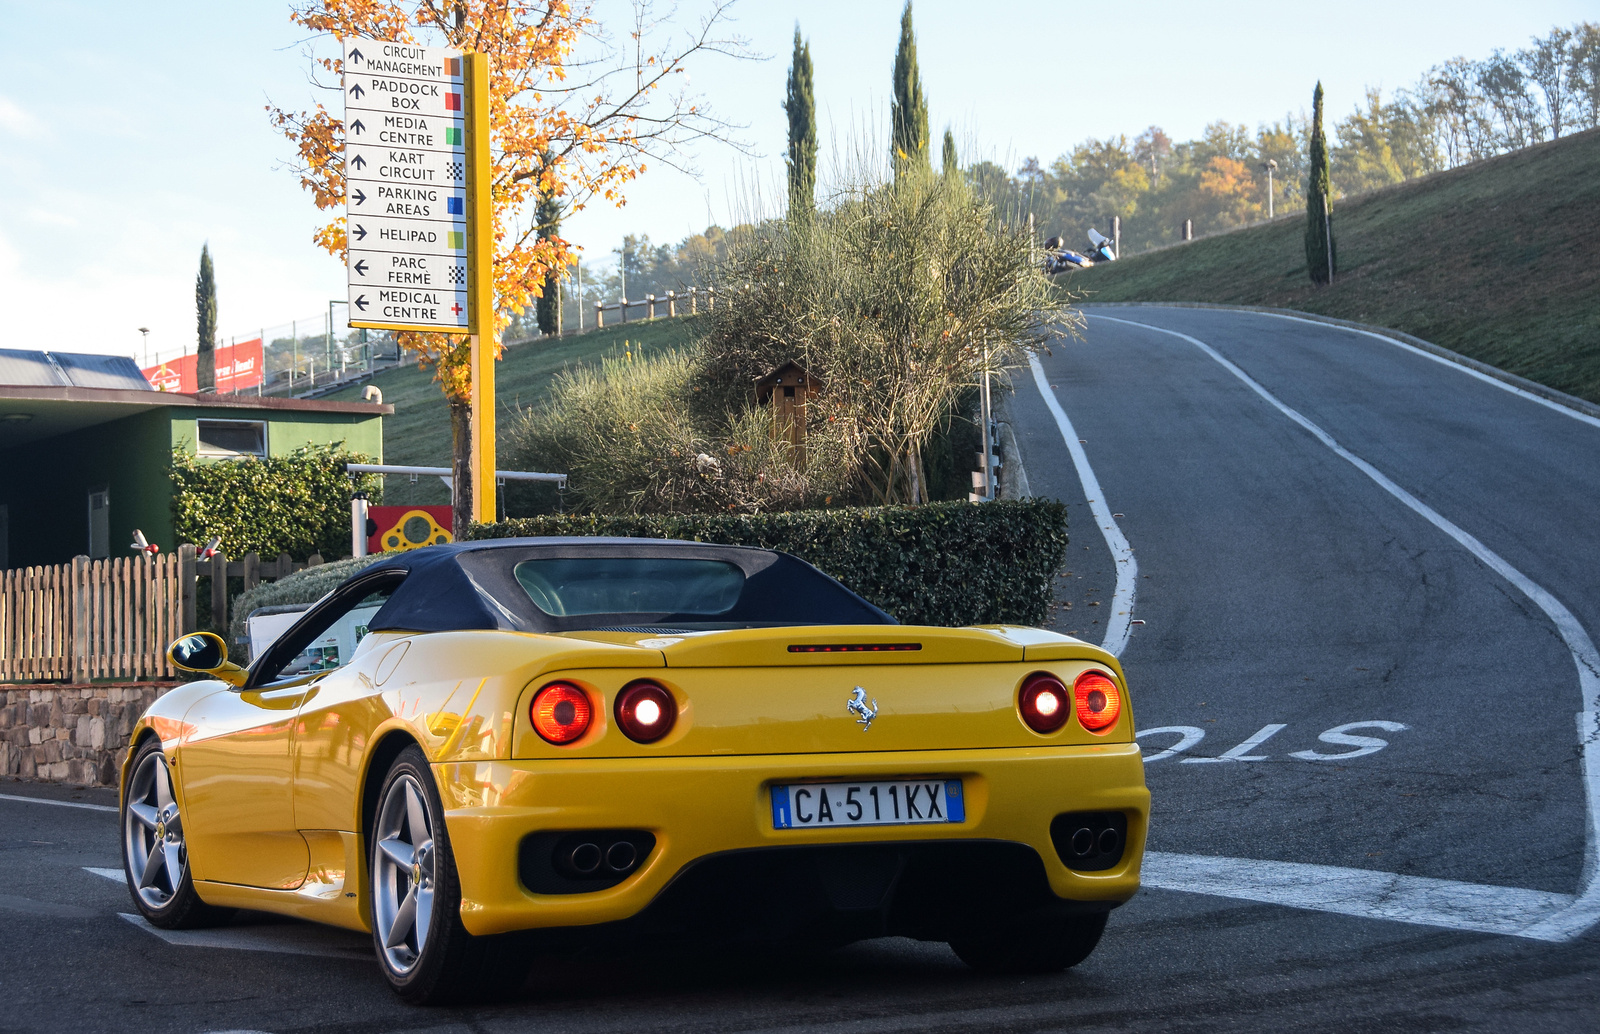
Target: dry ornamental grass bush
x,y
897,297
626,435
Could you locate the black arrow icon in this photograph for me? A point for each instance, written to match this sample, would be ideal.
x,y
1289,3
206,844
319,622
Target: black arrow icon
x,y
359,197
357,90
359,162
361,267
355,56
360,232
361,303
357,128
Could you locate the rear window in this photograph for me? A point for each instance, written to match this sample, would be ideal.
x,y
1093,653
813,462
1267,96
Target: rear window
x,y
579,586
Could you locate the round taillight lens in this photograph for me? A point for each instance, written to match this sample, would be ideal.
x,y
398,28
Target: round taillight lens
x,y
1043,703
561,712
1098,700
646,711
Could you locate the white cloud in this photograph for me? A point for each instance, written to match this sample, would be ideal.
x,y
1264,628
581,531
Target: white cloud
x,y
14,121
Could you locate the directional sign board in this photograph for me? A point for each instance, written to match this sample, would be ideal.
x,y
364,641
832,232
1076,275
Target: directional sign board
x,y
405,159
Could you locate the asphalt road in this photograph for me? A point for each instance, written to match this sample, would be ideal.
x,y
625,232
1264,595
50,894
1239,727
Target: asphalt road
x,y
1285,595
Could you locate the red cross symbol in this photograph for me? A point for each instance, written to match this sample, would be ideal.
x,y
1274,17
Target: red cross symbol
x,y
456,308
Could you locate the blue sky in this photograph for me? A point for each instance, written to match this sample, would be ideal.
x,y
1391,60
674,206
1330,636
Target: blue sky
x,y
132,133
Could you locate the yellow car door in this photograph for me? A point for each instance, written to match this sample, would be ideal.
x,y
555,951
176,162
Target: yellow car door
x,y
236,779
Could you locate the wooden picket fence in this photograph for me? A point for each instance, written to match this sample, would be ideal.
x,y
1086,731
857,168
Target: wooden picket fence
x,y
90,619
114,619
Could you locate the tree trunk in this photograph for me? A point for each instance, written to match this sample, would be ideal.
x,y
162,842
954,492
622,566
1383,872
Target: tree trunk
x,y
460,466
915,474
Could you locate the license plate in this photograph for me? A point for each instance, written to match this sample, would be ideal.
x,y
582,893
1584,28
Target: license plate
x,y
903,802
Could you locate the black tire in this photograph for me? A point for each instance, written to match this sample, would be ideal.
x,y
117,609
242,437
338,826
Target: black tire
x,y
1045,944
153,844
449,965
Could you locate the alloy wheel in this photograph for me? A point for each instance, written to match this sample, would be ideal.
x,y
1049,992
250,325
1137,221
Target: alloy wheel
x,y
403,874
152,833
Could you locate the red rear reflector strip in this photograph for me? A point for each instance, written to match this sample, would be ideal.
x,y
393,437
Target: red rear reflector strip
x,y
854,647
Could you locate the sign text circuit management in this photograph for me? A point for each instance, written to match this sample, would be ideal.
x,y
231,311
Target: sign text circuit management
x,y
407,187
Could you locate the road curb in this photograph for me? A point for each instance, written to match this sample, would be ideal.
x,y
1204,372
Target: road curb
x,y
1544,391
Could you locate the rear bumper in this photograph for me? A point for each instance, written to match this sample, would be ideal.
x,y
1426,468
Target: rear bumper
x,y
703,811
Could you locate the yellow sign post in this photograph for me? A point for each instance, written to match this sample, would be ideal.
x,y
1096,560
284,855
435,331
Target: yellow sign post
x,y
480,285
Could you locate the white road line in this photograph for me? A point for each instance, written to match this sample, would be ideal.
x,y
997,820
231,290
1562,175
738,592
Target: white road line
x,y
1360,892
1445,360
1118,627
1499,909
289,938
115,875
59,804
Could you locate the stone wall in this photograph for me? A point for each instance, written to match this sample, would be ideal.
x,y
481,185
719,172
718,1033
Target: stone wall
x,y
71,733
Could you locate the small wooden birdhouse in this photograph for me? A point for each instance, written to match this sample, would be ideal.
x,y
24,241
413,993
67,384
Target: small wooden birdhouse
x,y
786,390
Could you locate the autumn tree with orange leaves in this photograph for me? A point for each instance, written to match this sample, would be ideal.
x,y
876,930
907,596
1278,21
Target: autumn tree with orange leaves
x,y
574,117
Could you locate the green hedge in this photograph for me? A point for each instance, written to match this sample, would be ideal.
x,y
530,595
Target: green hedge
x,y
297,504
940,564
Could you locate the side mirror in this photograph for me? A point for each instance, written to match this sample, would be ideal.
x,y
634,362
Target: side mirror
x,y
207,653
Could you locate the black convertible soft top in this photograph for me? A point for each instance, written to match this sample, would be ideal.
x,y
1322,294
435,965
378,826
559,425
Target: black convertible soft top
x,y
473,585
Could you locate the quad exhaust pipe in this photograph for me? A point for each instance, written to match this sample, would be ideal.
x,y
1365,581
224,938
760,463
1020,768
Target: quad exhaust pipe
x,y
581,861
587,857
1090,841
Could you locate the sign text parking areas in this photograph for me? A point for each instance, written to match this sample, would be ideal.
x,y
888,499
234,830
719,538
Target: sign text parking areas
x,y
406,186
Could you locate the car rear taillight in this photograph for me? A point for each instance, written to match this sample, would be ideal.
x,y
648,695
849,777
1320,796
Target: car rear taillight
x,y
1098,700
1043,702
646,711
561,712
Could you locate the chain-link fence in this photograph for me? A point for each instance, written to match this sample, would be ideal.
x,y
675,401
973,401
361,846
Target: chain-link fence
x,y
303,356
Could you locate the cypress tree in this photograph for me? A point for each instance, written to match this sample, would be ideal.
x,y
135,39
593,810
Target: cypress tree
x,y
800,104
548,307
908,111
1322,257
951,167
205,305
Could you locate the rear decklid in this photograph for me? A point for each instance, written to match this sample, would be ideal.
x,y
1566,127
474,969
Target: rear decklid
x,y
832,689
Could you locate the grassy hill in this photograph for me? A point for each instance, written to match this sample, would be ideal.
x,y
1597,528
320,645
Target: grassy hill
x,y
419,431
1499,261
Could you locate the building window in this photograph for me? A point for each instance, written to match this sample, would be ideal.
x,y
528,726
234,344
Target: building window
x,y
99,524
233,438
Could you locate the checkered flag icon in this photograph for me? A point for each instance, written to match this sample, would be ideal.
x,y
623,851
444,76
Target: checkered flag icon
x,y
458,170
458,274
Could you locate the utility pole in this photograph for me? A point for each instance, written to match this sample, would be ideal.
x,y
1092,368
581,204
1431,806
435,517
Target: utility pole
x,y
146,332
580,296
1270,165
988,416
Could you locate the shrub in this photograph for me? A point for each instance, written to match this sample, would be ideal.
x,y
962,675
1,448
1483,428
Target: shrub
x,y
897,296
297,504
940,564
626,435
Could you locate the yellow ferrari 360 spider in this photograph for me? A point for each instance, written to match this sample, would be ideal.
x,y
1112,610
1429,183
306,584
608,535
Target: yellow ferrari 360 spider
x,y
481,750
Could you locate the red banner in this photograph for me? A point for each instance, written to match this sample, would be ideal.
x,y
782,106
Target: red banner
x,y
239,368
400,528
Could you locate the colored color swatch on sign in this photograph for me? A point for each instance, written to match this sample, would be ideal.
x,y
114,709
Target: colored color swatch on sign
x,y
455,206
452,66
452,102
452,136
458,240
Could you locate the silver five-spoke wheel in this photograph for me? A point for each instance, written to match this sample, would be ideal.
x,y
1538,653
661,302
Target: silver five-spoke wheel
x,y
404,874
152,833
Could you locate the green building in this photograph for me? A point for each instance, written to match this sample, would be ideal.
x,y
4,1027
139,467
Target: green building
x,y
85,452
